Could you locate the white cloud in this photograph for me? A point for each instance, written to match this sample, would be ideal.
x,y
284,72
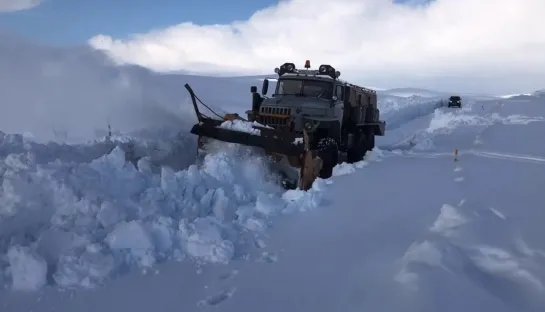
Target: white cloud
x,y
493,45
17,5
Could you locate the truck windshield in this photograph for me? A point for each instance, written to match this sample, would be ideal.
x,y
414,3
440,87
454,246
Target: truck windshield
x,y
305,87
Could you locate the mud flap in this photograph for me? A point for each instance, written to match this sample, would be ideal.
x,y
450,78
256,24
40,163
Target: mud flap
x,y
311,165
377,128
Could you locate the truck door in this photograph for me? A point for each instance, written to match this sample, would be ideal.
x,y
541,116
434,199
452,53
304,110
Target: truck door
x,y
339,102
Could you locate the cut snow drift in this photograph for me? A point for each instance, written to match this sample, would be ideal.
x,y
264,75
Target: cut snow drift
x,y
90,221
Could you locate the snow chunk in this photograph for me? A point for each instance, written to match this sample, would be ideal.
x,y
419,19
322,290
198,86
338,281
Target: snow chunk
x,y
241,125
84,269
343,169
298,200
53,243
109,214
424,252
28,269
203,240
114,161
346,168
448,219
162,232
268,204
132,236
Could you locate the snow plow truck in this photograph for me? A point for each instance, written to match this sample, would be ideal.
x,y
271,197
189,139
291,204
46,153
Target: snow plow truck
x,y
311,122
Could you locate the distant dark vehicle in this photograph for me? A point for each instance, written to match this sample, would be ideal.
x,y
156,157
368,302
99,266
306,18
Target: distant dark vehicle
x,y
455,101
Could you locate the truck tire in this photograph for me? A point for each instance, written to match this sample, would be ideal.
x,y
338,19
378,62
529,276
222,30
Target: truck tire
x,y
358,150
328,151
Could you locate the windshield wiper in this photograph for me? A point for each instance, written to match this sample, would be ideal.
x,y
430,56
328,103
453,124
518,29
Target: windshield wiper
x,y
322,94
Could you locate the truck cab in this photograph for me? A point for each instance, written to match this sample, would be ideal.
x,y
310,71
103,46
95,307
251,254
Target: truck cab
x,y
320,103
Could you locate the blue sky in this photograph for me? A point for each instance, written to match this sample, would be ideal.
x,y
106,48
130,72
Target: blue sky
x,y
75,21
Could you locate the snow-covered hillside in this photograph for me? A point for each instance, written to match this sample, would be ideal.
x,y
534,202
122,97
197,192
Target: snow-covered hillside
x,y
411,92
72,94
163,233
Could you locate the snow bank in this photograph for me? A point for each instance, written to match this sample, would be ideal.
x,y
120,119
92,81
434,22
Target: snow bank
x,y
83,222
444,125
401,115
399,111
445,121
345,168
410,92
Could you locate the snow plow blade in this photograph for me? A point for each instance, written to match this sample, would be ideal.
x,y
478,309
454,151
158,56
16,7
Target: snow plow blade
x,y
268,139
286,148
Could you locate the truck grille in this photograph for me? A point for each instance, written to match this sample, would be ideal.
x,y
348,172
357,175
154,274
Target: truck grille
x,y
273,121
275,116
276,111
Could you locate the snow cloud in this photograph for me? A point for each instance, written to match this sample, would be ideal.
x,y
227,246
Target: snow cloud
x,y
495,45
17,5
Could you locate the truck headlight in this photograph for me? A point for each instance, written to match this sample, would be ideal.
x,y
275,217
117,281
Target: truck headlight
x,y
311,125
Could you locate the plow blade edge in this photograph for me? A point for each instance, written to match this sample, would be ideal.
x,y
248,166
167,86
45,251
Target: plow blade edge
x,y
272,142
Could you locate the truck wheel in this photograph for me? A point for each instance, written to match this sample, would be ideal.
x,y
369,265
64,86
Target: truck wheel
x,y
358,149
328,151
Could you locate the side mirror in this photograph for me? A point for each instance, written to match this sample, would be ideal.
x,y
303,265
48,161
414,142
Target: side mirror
x,y
265,86
253,89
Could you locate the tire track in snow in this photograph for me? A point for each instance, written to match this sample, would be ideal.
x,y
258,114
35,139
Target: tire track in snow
x,y
217,298
489,154
509,156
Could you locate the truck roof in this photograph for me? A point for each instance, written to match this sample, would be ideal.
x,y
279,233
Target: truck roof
x,y
313,76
